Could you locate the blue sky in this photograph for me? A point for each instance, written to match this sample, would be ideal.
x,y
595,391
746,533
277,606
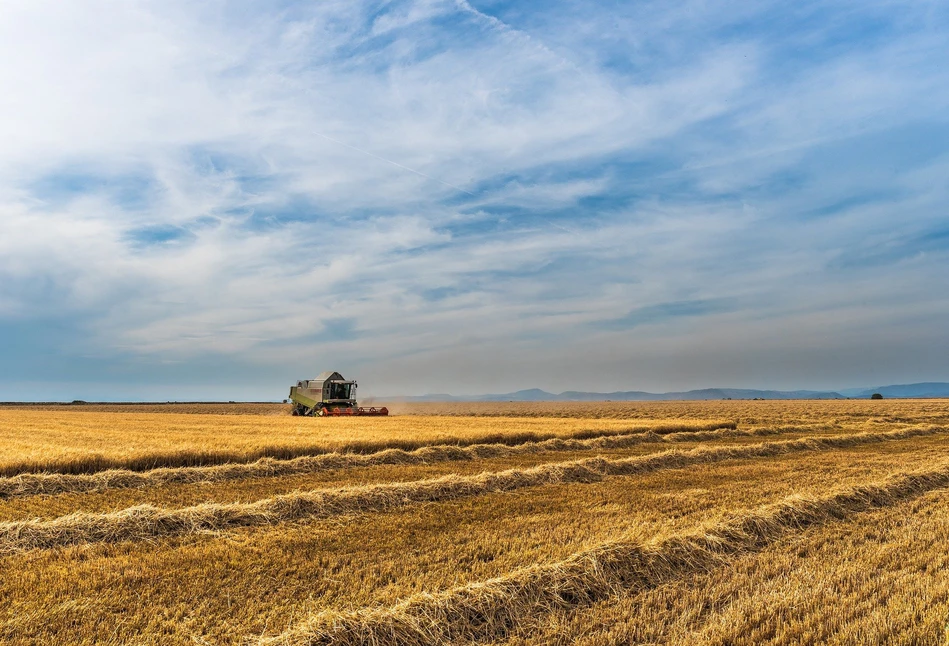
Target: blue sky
x,y
212,200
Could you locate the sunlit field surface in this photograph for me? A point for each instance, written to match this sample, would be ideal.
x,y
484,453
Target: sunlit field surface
x,y
725,522
75,440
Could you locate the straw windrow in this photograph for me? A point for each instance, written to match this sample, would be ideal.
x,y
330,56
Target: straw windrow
x,y
86,463
489,610
148,522
30,484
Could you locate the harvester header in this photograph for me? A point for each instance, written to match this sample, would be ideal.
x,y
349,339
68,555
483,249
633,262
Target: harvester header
x,y
329,395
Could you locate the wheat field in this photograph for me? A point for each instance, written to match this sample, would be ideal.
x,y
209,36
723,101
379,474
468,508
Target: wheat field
x,y
721,522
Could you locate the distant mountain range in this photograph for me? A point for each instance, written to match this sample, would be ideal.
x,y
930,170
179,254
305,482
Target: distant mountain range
x,y
915,391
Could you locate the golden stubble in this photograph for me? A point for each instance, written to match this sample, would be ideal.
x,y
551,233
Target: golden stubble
x,y
823,541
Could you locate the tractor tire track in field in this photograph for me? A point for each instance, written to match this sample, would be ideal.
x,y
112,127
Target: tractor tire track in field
x,y
489,610
146,522
91,464
31,484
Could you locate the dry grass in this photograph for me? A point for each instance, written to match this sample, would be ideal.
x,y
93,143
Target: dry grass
x,y
743,411
67,441
176,408
223,588
746,412
147,522
578,533
490,609
876,579
29,484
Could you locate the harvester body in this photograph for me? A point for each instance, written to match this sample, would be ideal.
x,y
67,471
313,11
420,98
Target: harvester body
x,y
328,395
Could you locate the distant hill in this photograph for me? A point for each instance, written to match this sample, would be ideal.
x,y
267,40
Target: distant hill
x,y
917,391
926,390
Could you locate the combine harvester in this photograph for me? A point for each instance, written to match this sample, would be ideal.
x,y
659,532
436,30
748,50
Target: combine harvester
x,y
329,395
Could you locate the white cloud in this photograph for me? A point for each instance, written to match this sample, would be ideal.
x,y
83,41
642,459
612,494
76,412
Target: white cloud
x,y
288,168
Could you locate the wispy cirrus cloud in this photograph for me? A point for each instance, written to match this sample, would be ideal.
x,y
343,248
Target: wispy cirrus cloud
x,y
433,194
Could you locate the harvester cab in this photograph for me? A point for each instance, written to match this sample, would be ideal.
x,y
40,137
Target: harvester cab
x,y
328,395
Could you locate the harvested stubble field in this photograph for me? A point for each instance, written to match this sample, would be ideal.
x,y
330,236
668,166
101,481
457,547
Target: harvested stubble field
x,y
78,441
676,523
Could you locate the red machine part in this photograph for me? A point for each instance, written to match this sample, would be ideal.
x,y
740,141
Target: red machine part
x,y
362,410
